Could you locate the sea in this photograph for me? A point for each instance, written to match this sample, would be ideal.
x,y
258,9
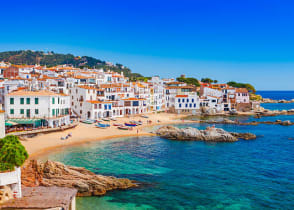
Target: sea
x,y
253,174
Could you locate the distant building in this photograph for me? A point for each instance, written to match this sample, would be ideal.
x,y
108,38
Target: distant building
x,y
11,71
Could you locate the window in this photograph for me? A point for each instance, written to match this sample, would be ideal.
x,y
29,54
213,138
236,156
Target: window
x,y
28,100
105,107
53,112
21,100
192,100
53,100
190,105
11,111
187,100
179,100
183,100
58,100
180,105
194,105
36,111
95,106
21,111
36,100
186,105
11,100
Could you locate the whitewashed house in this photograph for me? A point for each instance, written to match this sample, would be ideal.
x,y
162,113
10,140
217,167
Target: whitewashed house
x,y
38,108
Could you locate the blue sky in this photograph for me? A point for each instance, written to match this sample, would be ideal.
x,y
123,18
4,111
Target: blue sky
x,y
247,41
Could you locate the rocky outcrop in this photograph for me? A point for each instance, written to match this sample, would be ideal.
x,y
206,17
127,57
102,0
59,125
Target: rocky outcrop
x,y
87,183
236,122
245,136
193,134
267,100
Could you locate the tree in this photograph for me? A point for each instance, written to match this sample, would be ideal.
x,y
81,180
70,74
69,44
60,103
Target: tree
x,y
215,81
12,153
248,86
207,80
189,80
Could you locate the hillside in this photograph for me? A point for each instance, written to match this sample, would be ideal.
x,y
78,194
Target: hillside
x,y
52,59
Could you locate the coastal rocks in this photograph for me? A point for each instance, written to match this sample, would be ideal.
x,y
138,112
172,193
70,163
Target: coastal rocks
x,y
57,174
245,136
268,100
286,123
193,134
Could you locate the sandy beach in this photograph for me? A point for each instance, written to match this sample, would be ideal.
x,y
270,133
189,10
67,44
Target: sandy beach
x,y
44,143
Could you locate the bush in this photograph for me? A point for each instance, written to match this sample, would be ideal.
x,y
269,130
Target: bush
x,y
12,153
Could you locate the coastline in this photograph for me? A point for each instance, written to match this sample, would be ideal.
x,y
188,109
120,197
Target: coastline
x,y
46,143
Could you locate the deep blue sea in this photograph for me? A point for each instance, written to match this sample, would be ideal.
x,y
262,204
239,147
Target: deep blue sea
x,y
255,174
277,95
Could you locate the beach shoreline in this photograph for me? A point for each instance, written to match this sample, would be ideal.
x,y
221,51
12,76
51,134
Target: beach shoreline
x,y
44,144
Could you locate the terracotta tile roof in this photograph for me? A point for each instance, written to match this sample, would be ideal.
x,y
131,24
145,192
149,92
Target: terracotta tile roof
x,y
99,102
87,87
181,96
241,90
133,99
33,93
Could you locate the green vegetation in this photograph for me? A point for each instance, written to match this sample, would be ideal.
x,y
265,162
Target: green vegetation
x,y
249,87
208,80
255,97
142,79
189,80
12,153
53,59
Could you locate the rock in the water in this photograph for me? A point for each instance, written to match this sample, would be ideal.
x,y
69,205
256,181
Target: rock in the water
x,y
57,174
245,136
287,122
193,134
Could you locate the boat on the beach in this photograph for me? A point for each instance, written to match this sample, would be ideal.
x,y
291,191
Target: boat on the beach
x,y
136,122
117,124
123,128
144,116
113,119
131,124
88,121
103,125
105,119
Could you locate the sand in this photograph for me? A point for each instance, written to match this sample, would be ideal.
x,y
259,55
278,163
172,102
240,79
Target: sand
x,y
44,143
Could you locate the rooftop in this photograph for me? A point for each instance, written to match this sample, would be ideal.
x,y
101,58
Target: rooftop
x,y
42,198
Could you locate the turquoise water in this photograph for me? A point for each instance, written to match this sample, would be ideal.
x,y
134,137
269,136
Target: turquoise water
x,y
256,174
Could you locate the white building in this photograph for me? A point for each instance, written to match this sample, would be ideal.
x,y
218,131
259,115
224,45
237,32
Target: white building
x,y
44,107
79,95
187,103
2,124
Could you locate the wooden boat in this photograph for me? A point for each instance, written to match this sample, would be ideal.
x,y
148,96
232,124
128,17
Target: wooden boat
x,y
131,124
144,116
117,124
113,119
105,125
136,122
105,119
100,126
88,121
123,128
